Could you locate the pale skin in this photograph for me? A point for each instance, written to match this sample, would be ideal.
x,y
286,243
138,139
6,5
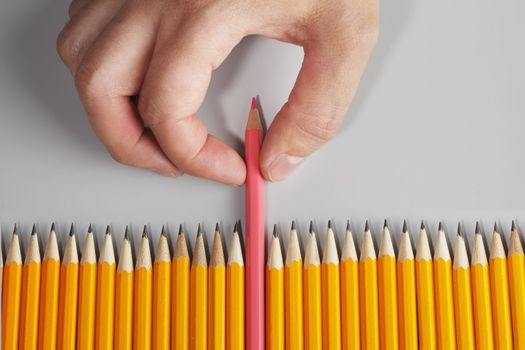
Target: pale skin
x,y
139,63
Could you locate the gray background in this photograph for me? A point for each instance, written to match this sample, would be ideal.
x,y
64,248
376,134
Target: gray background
x,y
435,131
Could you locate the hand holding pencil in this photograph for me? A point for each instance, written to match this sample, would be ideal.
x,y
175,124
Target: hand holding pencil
x,y
142,95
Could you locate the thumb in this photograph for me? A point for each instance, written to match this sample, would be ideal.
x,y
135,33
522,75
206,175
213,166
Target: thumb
x,y
316,106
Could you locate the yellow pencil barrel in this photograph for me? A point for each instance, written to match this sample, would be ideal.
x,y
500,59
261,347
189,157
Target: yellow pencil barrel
x,y
312,297
30,298
500,303
198,297
161,296
142,308
331,294
124,297
516,271
368,294
12,281
274,308
180,303
350,332
407,305
387,293
235,298
87,291
293,301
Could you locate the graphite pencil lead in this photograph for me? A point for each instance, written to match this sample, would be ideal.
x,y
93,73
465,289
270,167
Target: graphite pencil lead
x,y
199,229
275,230
366,226
495,227
236,227
90,229
71,230
513,227
108,230
385,224
145,231
348,225
478,229
405,228
293,226
422,225
126,233
53,226
217,227
440,226
33,230
181,231
329,224
15,232
163,231
311,226
459,229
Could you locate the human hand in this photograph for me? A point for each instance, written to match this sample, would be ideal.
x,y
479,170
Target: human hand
x,y
138,63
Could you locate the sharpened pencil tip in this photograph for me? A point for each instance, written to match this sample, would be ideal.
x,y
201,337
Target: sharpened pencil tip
x,y
90,229
217,227
405,228
163,231
145,231
367,228
329,224
311,226
495,227
422,225
53,227
33,230
348,224
385,224
513,227
15,230
459,229
71,230
440,226
236,227
199,229
275,230
254,103
293,226
126,233
108,230
180,230
478,229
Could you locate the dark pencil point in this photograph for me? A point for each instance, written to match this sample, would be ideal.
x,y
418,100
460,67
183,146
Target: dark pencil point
x,y
33,231
348,225
236,227
145,232
405,228
513,227
90,229
459,229
108,230
495,227
478,229
367,228
71,230
385,224
126,233
311,226
53,227
293,225
163,231
181,231
422,225
329,224
217,227
15,230
440,226
275,230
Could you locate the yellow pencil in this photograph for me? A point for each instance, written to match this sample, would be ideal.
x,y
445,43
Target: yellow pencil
x,y
330,293
105,310
406,285
350,333
161,295
68,295
235,295
198,295
445,321
293,293
11,294
516,262
481,304
180,291
87,292
387,292
499,287
216,295
124,297
49,290
312,295
142,296
368,293
30,295
426,314
462,295
275,296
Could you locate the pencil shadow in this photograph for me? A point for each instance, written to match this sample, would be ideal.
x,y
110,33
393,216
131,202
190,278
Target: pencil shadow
x,y
393,18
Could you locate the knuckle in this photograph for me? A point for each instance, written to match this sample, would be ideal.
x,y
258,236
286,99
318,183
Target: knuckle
x,y
318,127
89,80
120,155
68,45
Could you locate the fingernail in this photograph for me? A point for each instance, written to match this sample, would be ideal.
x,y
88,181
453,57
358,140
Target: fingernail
x,y
283,166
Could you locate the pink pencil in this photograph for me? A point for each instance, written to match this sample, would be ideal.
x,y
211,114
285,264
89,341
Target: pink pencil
x,y
254,233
